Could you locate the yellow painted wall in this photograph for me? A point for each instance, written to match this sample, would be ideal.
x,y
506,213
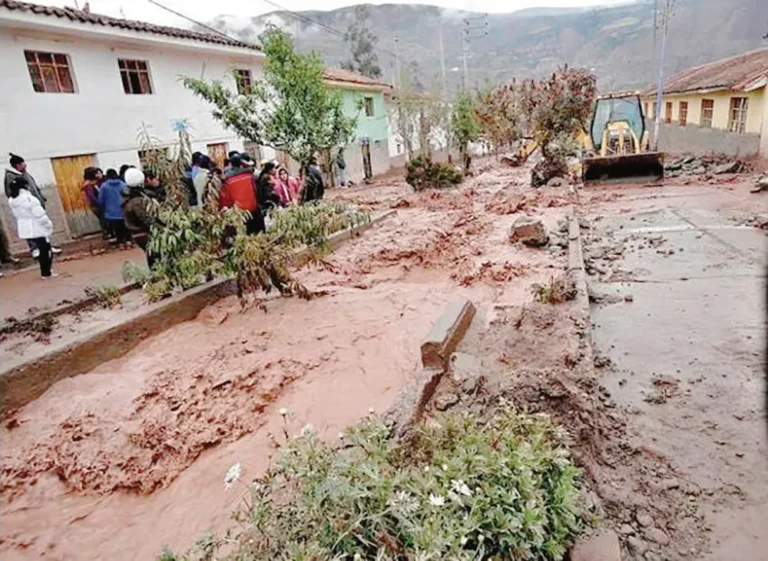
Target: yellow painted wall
x,y
756,113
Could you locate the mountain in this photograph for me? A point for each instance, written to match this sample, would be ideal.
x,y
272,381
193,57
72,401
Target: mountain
x,y
617,41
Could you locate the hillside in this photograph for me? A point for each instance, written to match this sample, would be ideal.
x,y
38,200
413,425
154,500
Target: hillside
x,y
616,41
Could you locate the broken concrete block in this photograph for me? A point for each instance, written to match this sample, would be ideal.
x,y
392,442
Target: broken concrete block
x,y
446,401
603,546
728,167
466,371
446,334
557,182
529,231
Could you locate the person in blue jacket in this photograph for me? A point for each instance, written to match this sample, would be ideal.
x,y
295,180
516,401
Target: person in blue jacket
x,y
111,194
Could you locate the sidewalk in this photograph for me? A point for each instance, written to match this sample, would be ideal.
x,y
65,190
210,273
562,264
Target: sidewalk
x,y
24,290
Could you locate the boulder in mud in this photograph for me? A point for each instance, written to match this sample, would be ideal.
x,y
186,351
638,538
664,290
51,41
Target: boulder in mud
x,y
557,182
761,184
530,231
603,546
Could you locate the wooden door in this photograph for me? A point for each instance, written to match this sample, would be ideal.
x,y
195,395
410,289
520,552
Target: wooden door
x,y
68,172
218,153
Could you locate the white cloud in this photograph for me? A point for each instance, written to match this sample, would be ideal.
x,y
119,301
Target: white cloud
x,y
204,10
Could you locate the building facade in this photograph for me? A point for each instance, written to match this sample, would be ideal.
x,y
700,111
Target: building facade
x,y
721,107
364,99
78,88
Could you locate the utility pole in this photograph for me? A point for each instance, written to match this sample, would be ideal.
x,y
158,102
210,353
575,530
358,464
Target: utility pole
x,y
474,28
665,17
442,63
397,61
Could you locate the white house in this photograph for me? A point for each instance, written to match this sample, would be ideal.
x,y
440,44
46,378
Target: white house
x,y
77,87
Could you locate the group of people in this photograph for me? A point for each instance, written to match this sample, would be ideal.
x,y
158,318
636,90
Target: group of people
x,y
119,198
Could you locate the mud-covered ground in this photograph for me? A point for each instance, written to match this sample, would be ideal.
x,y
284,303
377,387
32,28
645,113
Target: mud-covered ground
x,y
116,463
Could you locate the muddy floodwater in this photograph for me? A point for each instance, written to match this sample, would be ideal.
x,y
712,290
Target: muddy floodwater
x,y
130,457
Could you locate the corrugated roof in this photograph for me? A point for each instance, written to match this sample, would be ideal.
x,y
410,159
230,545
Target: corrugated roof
x,y
735,73
131,25
340,75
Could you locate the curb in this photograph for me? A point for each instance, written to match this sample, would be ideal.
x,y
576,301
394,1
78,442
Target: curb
x,y
578,274
24,380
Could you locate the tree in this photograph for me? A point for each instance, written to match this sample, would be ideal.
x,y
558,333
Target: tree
x,y
406,105
362,44
499,114
557,109
465,127
290,109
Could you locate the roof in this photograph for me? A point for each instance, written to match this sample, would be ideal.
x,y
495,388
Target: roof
x,y
130,25
335,74
737,73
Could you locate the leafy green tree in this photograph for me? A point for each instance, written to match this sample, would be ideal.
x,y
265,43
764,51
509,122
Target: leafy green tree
x,y
465,127
290,109
362,45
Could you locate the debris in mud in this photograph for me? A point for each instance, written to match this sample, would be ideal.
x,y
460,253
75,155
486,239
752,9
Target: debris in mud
x,y
601,360
761,184
665,387
556,291
446,401
39,328
602,546
506,203
530,231
693,165
557,182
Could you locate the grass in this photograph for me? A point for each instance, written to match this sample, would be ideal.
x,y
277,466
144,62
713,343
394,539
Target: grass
x,y
107,296
556,291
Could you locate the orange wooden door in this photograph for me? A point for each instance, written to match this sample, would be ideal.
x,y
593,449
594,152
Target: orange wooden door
x,y
218,153
68,173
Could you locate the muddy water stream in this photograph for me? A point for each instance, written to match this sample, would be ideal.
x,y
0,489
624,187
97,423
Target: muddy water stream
x,y
118,462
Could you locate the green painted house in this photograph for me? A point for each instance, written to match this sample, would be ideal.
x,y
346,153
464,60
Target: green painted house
x,y
364,98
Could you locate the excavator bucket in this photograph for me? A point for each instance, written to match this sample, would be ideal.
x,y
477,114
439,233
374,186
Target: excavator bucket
x,y
626,168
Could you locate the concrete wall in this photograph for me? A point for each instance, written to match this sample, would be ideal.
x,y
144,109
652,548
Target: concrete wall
x,y
380,162
99,118
675,139
373,127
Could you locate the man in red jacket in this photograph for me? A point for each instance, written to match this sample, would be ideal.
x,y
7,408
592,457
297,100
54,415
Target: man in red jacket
x,y
240,190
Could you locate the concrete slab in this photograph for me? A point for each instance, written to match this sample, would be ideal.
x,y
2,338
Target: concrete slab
x,y
447,333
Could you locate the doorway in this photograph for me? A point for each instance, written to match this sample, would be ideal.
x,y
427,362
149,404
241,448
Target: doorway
x,y
367,167
68,172
218,153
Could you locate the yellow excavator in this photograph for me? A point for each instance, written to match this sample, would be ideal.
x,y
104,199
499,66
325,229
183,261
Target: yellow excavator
x,y
616,145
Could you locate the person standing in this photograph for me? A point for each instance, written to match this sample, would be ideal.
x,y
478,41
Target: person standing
x,y
341,166
92,178
32,222
138,219
153,188
19,169
111,202
239,190
313,182
287,187
201,177
268,198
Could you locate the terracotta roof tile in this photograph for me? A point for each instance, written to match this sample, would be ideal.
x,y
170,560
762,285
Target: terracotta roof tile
x,y
734,73
131,25
340,75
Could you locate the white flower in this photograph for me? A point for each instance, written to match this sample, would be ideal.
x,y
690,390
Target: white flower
x,y
403,503
463,540
341,436
307,430
283,411
426,469
436,500
371,410
480,538
460,487
233,475
445,467
358,557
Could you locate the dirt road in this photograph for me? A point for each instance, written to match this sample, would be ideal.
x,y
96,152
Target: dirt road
x,y
678,277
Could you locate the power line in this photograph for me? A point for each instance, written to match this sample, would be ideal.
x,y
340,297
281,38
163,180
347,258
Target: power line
x,y
213,29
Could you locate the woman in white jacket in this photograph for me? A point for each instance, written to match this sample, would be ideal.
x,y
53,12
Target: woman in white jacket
x,y
32,223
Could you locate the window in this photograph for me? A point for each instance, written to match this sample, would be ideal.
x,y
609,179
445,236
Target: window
x,y
50,72
244,81
682,117
135,76
668,112
368,101
707,110
737,119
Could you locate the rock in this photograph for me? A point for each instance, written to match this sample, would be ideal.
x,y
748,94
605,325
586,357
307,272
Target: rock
x,y
446,333
651,556
529,231
557,182
656,535
700,170
644,519
761,184
636,546
674,166
603,546
727,167
446,401
629,298
626,530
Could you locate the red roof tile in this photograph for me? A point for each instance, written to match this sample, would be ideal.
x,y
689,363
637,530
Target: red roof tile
x,y
131,25
734,73
340,75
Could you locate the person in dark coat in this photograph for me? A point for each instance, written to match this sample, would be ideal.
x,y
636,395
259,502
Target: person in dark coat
x,y
92,178
111,202
138,219
314,188
266,194
239,190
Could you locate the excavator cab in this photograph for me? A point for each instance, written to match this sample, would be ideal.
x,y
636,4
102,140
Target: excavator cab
x,y
616,147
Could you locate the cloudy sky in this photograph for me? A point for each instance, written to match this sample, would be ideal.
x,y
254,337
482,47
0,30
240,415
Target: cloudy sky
x,y
204,10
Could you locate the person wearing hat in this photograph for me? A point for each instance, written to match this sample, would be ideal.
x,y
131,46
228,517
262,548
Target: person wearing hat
x,y
18,169
111,202
138,219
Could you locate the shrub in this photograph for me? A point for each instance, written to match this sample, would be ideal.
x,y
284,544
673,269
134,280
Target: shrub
x,y
106,296
423,173
556,291
456,489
